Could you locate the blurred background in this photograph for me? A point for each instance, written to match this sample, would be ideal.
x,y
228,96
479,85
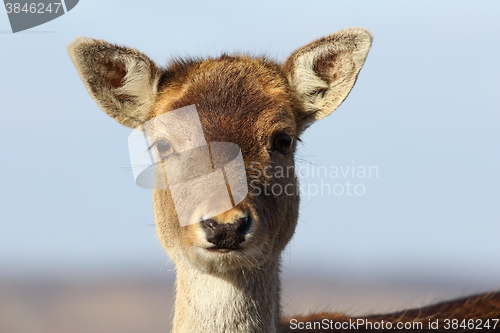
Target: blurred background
x,y
78,250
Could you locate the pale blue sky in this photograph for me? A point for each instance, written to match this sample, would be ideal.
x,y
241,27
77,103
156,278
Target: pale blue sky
x,y
425,112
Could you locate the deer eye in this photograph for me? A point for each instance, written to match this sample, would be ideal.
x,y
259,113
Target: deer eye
x,y
283,143
164,148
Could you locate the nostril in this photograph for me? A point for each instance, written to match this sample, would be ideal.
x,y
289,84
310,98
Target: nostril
x,y
210,227
245,223
210,224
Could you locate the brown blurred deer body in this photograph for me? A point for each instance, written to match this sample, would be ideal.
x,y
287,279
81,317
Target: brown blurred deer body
x,y
228,265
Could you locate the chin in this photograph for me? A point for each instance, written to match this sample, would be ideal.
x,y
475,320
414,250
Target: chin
x,y
228,261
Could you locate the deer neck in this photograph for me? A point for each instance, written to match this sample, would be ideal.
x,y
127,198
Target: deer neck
x,y
246,301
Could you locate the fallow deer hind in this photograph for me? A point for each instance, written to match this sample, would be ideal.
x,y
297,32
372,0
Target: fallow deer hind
x,y
228,265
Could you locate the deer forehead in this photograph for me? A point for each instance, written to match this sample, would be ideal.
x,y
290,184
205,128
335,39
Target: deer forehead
x,y
238,99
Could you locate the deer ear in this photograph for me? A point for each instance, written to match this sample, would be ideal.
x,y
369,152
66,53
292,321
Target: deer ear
x,y
121,80
323,72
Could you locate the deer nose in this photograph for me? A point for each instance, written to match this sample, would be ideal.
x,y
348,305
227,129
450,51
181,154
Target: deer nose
x,y
227,235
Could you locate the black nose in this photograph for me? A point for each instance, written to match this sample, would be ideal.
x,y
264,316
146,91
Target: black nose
x,y
227,235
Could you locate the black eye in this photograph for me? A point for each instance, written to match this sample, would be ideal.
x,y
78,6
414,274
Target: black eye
x,y
164,148
283,143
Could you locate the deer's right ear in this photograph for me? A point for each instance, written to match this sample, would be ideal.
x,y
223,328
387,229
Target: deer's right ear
x,y
323,72
121,80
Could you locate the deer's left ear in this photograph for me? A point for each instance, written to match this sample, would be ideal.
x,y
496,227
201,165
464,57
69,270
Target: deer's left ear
x,y
323,72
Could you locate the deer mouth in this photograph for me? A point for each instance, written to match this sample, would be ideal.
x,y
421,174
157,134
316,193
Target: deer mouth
x,y
227,243
223,249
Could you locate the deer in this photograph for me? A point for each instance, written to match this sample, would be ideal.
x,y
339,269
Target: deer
x,y
228,261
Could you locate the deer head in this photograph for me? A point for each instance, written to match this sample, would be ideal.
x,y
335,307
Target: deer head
x,y
255,103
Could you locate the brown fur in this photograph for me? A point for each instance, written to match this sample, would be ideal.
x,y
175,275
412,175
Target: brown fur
x,y
250,102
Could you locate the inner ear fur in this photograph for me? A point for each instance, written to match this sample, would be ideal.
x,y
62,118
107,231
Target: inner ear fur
x,y
323,72
121,80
